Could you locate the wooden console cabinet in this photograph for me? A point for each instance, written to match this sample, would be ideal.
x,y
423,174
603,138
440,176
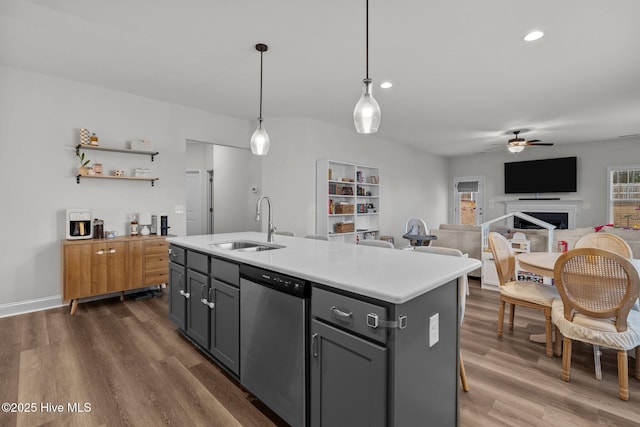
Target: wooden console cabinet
x,y
101,266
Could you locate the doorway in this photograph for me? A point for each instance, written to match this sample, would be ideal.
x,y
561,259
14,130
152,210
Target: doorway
x,y
468,200
222,188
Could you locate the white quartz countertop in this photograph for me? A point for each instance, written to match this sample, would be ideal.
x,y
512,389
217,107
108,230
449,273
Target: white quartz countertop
x,y
391,275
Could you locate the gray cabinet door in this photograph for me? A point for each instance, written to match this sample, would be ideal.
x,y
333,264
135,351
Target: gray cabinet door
x,y
348,379
177,301
197,311
224,342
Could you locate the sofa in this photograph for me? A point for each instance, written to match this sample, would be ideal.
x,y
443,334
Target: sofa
x,y
467,238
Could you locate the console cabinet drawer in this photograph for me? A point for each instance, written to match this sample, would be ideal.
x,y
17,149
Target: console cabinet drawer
x,y
156,247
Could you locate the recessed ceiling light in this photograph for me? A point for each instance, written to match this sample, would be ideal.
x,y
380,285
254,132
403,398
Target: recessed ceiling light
x,y
533,35
386,85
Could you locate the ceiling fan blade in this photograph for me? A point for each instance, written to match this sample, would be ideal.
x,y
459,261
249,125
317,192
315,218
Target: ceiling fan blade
x,y
548,144
533,140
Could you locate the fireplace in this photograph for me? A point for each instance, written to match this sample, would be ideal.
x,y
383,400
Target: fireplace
x,y
559,219
561,213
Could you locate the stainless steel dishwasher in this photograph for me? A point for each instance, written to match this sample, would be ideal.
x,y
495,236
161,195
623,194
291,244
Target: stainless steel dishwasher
x,y
273,341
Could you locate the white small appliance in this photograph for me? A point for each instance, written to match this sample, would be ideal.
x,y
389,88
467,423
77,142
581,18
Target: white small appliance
x,y
79,224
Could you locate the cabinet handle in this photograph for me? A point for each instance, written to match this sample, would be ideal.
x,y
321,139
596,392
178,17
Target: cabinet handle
x,y
341,315
204,299
314,345
112,251
212,303
187,295
100,252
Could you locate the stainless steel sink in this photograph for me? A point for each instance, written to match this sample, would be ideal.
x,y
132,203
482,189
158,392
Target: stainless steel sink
x,y
246,246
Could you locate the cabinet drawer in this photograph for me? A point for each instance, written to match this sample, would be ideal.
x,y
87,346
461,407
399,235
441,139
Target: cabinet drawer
x,y
197,261
156,246
225,271
155,277
155,261
348,313
177,254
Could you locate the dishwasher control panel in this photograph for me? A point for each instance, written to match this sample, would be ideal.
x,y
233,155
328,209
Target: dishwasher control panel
x,y
277,281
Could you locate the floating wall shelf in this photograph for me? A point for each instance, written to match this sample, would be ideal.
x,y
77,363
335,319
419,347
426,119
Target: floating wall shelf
x,y
115,150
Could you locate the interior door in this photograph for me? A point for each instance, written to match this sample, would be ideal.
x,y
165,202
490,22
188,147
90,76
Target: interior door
x,y
194,203
468,197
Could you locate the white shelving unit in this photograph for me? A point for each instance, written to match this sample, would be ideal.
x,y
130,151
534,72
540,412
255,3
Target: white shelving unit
x,y
347,193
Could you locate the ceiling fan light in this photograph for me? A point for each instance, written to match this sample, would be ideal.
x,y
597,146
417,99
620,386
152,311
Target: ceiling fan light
x,y
533,36
260,141
515,148
366,114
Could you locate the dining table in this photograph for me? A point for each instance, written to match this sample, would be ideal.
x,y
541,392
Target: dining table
x,y
543,263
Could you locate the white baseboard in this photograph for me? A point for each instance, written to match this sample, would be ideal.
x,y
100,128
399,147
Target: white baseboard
x,y
28,306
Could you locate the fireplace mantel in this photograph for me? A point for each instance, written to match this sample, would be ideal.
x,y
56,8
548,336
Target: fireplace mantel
x,y
570,207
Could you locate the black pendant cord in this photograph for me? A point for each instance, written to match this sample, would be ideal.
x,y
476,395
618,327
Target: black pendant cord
x,y
260,118
262,48
367,38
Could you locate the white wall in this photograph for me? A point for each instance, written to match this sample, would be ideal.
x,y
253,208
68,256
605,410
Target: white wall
x,y
40,118
593,160
413,184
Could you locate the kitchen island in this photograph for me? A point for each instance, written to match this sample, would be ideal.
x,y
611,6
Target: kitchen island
x,y
380,330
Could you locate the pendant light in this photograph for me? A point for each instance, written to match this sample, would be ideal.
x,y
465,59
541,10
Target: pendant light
x,y
366,115
260,140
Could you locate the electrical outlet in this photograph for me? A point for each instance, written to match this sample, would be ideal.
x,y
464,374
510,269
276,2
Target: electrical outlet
x,y
434,329
179,209
586,206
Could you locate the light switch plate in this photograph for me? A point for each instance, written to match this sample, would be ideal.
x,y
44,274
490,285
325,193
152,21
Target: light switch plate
x,y
179,209
434,329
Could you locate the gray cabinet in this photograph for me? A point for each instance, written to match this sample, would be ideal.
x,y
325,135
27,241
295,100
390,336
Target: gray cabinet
x,y
372,363
348,379
177,300
204,302
197,308
178,294
224,319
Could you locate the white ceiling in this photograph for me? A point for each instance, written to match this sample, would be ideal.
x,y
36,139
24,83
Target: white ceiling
x,y
462,74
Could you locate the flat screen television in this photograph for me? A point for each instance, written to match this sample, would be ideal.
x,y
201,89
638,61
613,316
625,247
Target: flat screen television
x,y
541,176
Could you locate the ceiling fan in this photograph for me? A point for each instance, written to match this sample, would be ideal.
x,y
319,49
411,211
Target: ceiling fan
x,y
517,144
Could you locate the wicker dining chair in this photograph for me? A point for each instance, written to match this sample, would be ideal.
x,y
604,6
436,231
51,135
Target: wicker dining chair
x,y
607,241
597,290
612,243
463,290
515,292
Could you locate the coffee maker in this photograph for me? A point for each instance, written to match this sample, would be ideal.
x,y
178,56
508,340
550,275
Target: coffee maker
x,y
79,224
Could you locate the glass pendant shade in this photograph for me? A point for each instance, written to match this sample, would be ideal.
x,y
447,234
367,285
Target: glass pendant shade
x,y
515,148
366,115
260,141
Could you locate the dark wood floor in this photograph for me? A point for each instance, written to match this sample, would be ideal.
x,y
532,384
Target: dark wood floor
x,y
128,362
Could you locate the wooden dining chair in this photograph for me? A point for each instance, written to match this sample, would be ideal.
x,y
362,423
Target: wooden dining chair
x,y
607,241
463,290
597,290
612,243
515,292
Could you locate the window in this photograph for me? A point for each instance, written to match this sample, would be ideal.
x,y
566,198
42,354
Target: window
x,y
624,196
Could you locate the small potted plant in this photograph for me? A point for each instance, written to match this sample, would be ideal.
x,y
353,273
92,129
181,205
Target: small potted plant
x,y
83,170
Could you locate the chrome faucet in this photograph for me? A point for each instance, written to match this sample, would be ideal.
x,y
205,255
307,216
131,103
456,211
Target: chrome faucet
x,y
271,228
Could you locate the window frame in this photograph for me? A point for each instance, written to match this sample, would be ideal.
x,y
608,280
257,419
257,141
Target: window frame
x,y
610,201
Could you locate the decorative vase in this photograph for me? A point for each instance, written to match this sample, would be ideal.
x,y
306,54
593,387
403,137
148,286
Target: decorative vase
x,y
82,171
